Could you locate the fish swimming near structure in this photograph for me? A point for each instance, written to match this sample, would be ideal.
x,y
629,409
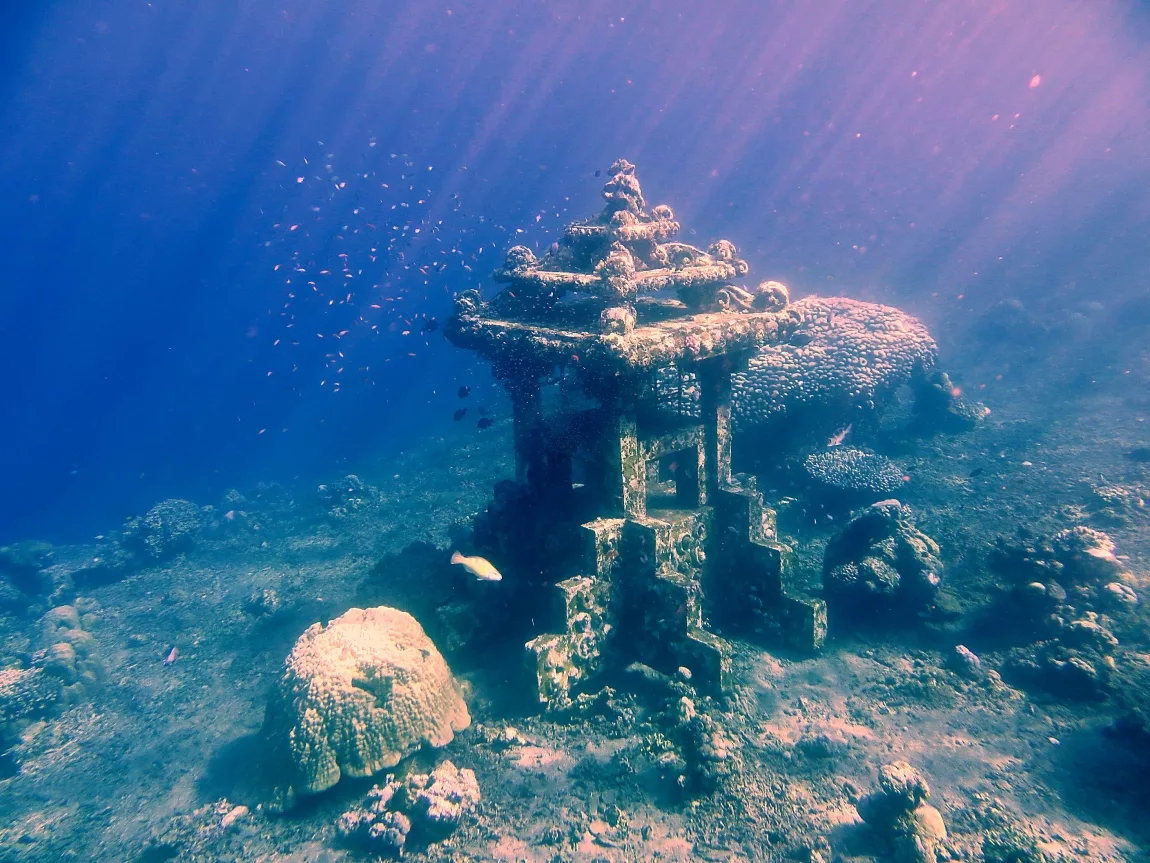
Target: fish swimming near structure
x,y
480,567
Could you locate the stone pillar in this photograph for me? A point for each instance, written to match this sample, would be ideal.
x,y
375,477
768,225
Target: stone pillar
x,y
526,406
625,467
715,411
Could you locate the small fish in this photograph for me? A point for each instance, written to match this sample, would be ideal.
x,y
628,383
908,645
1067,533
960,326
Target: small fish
x,y
800,340
171,657
597,173
838,437
430,325
978,471
463,392
485,423
480,567
459,414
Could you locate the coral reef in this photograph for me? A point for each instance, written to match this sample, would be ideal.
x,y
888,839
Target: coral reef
x,y
1051,579
1117,505
357,696
64,670
349,495
845,361
881,561
167,529
683,733
1063,588
900,817
423,807
1077,661
844,476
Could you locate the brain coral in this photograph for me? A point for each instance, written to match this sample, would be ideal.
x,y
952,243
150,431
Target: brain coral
x,y
845,354
359,695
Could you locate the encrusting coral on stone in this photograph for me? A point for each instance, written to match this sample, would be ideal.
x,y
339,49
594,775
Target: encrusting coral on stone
x,y
359,695
900,816
424,806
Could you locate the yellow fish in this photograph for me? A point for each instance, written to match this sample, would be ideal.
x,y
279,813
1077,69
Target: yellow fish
x,y
480,567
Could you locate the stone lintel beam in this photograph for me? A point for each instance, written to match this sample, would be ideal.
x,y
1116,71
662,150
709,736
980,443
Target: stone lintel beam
x,y
653,281
658,231
512,344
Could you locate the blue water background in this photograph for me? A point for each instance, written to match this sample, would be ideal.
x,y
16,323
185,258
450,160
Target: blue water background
x,y
935,155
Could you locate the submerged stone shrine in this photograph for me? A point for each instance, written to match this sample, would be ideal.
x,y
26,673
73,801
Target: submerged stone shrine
x,y
624,529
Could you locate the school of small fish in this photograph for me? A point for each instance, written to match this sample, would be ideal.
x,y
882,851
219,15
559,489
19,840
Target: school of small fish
x,y
358,247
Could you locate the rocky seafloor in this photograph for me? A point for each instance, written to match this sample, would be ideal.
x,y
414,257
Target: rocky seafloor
x,y
1032,742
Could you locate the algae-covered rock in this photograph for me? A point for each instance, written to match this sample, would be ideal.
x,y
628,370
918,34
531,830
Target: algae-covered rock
x,y
939,405
347,496
167,529
1077,663
23,564
357,696
1011,844
881,561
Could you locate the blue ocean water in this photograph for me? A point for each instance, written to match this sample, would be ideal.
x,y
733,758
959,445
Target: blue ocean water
x,y
157,158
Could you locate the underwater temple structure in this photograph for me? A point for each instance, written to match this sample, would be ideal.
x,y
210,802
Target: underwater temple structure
x,y
624,536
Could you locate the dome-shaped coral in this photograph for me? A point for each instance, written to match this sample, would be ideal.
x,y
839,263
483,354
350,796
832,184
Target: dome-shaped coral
x,y
360,694
845,355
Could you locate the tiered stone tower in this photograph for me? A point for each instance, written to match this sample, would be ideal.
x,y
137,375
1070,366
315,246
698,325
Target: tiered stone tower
x,y
624,529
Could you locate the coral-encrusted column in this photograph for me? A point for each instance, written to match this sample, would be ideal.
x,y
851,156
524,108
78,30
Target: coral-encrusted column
x,y
625,467
715,409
